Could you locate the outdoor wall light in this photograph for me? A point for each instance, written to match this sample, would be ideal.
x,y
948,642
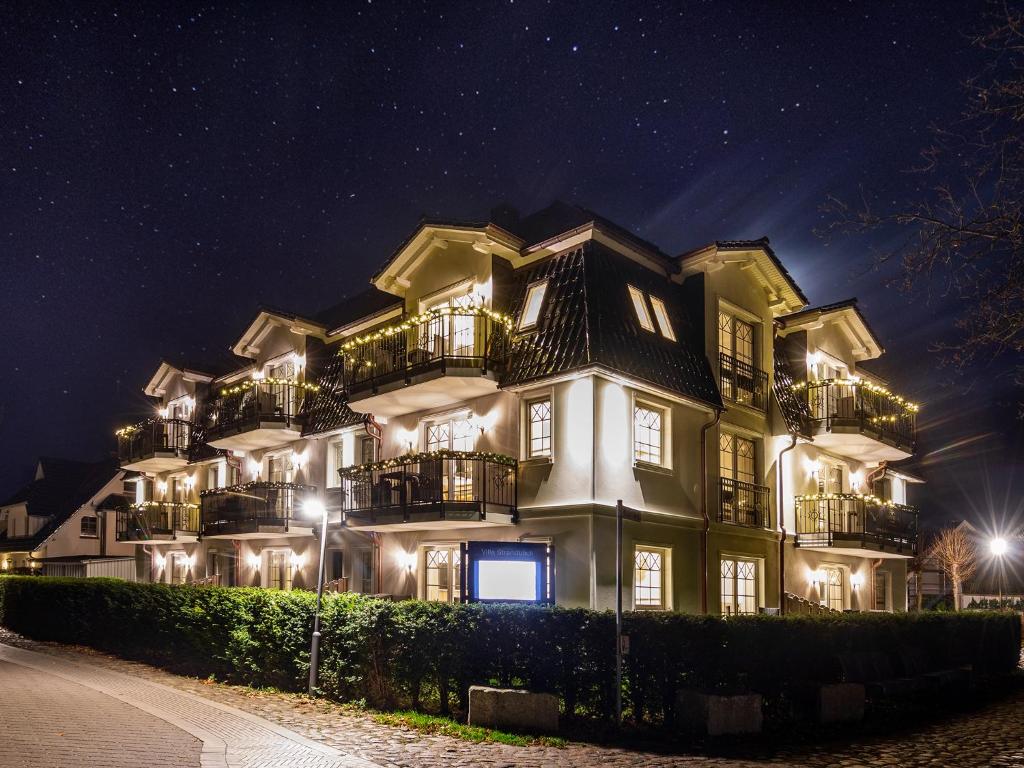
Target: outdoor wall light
x,y
162,412
191,560
296,560
299,360
159,561
299,459
162,486
257,375
818,577
190,482
407,560
254,468
253,561
856,480
856,580
5,564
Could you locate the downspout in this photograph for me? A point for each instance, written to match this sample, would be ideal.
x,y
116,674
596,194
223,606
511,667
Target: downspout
x,y
780,505
704,510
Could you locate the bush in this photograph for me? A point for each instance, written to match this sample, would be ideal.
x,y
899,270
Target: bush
x,y
426,655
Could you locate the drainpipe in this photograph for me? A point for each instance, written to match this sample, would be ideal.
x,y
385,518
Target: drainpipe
x,y
704,510
877,471
780,505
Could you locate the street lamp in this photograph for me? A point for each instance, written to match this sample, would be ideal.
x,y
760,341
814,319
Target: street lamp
x,y
312,508
998,547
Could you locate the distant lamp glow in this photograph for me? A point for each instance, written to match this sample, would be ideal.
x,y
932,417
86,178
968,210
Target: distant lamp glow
x,y
5,564
998,546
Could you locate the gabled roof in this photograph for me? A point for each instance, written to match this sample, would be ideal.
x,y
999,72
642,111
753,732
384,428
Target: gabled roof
x,y
847,315
157,384
784,295
794,409
59,489
361,307
587,319
268,318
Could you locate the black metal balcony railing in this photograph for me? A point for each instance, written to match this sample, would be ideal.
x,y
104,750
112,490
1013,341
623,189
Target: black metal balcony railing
x,y
742,503
743,383
153,437
248,507
450,484
244,407
157,519
445,340
840,403
839,519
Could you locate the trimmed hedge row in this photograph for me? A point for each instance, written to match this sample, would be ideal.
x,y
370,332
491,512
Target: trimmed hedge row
x,y
426,655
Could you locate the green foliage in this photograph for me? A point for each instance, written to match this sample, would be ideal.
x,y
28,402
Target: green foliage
x,y
426,655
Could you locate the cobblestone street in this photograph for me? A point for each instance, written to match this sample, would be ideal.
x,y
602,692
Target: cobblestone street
x,y
992,736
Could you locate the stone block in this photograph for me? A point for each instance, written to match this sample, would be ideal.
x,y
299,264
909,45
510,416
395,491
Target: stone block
x,y
841,703
718,715
510,709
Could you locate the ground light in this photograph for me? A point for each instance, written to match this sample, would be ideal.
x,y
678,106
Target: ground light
x,y
312,508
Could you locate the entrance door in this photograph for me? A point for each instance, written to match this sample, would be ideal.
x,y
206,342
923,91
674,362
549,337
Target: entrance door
x,y
443,572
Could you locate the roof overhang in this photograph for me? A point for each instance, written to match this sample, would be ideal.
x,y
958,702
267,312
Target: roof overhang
x,y
266,321
606,236
756,258
429,238
848,319
160,381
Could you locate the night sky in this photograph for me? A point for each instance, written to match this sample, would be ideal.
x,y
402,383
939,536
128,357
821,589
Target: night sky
x,y
165,169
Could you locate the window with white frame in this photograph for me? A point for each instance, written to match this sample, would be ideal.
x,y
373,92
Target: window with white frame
x,y
737,457
213,476
739,586
455,434
362,571
650,578
661,316
881,591
277,569
643,316
648,434
532,305
832,589
736,337
442,574
89,527
177,568
538,438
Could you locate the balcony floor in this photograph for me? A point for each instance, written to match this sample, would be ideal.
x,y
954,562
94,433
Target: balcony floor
x,y
157,462
266,434
258,532
431,389
858,445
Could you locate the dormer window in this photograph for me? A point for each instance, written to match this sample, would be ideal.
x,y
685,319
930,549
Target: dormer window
x,y
643,314
532,305
661,315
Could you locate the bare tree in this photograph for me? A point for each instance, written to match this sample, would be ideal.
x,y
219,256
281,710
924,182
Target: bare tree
x,y
964,235
954,551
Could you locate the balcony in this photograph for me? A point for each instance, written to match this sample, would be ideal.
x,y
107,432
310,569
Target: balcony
x,y
430,491
434,360
256,509
156,445
158,521
742,383
259,413
852,524
743,504
861,420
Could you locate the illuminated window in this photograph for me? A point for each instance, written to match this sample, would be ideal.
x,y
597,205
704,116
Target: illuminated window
x,y
881,590
532,305
640,305
661,315
457,474
443,574
649,584
539,437
647,434
362,572
177,568
739,586
831,591
278,569
736,337
89,528
737,457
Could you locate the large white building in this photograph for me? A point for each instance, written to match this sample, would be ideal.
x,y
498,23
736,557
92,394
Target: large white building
x,y
471,419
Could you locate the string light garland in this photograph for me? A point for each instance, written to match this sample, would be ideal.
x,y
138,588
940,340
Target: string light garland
x,y
876,389
424,317
150,504
425,456
248,384
257,485
131,429
867,498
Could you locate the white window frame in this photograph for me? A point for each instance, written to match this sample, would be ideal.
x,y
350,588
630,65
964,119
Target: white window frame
x,y
640,401
96,521
886,585
823,587
528,403
527,319
453,548
169,560
666,576
265,557
758,564
643,314
661,317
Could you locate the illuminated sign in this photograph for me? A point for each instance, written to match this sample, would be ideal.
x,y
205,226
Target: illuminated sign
x,y
509,572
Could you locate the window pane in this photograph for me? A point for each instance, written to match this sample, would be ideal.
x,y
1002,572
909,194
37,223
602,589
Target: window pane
x,y
640,305
540,428
661,315
728,587
532,305
648,579
744,342
647,435
725,333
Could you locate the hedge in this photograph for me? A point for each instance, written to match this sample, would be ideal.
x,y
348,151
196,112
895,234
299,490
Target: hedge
x,y
426,655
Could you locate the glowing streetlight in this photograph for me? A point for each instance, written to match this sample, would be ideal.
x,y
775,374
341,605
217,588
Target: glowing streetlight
x,y
312,508
997,546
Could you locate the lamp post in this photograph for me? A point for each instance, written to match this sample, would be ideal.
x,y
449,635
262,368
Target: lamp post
x,y
997,547
312,508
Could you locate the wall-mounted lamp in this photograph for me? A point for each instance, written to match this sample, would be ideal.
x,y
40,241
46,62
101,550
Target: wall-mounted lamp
x,y
407,560
856,481
818,577
297,560
162,487
253,561
159,562
162,412
299,360
813,358
190,482
191,561
856,580
257,374
299,460
254,468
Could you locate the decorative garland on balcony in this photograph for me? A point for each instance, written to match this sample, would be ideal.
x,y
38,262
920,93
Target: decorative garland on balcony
x,y
128,431
254,484
149,504
131,429
411,322
867,498
443,453
861,383
250,383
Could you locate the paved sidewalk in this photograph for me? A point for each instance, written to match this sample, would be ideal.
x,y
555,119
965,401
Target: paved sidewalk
x,y
227,736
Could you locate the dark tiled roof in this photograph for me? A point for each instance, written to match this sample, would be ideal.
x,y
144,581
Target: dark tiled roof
x,y
588,319
63,488
794,408
353,308
329,410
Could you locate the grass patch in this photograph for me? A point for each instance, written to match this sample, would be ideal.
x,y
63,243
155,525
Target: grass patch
x,y
432,724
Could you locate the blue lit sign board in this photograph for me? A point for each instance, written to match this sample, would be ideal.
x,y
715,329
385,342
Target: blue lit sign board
x,y
509,572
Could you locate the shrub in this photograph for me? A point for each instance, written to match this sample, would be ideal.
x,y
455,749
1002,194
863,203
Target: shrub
x,y
426,655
